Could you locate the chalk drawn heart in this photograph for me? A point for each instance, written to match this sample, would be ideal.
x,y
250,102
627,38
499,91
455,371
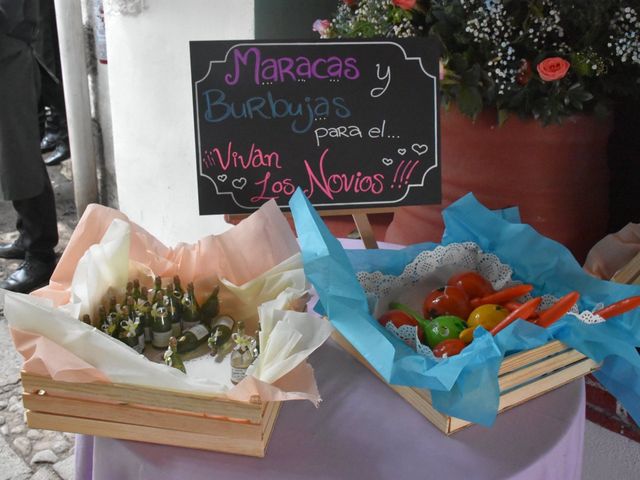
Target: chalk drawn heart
x,y
402,151
222,178
239,183
419,148
387,161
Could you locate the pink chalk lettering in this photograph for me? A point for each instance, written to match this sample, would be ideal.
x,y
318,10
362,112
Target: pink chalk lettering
x,y
255,158
277,188
337,183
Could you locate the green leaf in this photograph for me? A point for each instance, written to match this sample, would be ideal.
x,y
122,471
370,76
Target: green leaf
x,y
472,76
469,100
503,115
458,63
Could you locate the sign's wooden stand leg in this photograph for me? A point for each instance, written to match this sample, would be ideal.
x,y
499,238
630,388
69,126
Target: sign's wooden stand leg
x,y
364,228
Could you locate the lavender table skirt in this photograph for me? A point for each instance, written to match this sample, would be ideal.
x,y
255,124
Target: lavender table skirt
x,y
364,430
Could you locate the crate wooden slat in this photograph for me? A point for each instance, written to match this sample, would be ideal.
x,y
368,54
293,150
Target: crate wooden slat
x,y
146,396
630,273
128,412
521,377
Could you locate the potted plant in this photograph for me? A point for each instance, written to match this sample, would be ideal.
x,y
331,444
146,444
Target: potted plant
x,y
526,89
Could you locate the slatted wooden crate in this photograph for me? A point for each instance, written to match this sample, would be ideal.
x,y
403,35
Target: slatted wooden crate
x,y
205,422
522,376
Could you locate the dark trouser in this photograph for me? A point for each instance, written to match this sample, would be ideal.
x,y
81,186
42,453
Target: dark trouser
x,y
37,224
48,53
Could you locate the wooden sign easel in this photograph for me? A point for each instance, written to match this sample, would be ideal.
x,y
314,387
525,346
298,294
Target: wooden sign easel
x,y
361,219
364,229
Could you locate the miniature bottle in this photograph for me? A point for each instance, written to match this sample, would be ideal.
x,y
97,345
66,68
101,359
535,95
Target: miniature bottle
x,y
103,322
177,287
243,354
169,304
193,338
256,351
143,309
136,292
161,329
189,310
192,294
115,316
113,320
210,308
157,287
176,294
157,303
113,305
138,321
129,331
220,333
109,322
171,356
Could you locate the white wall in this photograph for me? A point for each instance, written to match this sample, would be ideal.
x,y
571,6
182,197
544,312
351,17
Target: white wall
x,y
152,113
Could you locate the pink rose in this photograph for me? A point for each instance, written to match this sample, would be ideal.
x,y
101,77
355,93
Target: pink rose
x,y
553,68
405,4
322,27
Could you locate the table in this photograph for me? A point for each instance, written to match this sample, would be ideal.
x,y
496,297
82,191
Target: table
x,y
363,429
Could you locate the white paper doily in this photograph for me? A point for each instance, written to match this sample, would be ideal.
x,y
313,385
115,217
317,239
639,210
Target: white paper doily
x,y
585,316
448,259
430,270
409,335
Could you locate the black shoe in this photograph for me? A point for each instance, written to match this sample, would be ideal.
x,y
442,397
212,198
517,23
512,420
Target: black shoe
x,y
30,275
11,250
60,153
50,140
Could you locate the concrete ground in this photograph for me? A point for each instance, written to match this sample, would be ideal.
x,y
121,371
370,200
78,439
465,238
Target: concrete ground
x,y
39,454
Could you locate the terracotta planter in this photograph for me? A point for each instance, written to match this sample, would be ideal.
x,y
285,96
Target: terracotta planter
x,y
557,175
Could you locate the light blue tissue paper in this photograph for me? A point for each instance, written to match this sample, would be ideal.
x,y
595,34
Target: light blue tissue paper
x,y
466,385
551,268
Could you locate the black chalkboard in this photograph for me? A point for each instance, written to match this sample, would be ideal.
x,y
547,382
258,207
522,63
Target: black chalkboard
x,y
353,123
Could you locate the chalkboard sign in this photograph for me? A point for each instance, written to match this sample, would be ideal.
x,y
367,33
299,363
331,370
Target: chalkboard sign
x,y
352,123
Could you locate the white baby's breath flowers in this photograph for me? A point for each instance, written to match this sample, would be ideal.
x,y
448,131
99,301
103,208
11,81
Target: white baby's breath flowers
x,y
625,38
371,18
490,23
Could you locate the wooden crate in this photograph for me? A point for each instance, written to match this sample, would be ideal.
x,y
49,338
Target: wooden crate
x,y
522,376
127,412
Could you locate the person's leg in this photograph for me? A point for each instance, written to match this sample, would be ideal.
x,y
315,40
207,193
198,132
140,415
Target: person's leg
x,y
37,225
24,178
56,138
52,127
52,94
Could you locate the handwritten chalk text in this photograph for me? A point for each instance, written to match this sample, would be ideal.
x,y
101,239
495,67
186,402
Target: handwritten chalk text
x,y
284,68
348,131
255,158
268,108
337,183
